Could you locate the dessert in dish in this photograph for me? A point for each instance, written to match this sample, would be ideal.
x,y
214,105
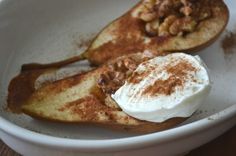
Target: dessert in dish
x,y
157,26
142,85
136,93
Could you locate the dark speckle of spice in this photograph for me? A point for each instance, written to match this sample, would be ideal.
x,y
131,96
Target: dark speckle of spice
x,y
229,44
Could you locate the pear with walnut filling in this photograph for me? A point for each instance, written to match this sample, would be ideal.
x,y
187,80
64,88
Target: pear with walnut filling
x,y
157,26
86,98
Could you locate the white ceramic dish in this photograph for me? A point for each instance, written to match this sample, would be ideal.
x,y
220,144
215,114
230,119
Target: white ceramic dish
x,y
45,31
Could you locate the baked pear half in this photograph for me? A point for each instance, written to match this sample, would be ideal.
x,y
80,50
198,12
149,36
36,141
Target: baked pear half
x,y
157,26
85,98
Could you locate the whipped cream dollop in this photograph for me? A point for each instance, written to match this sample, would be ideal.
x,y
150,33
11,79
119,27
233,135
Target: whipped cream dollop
x,y
165,87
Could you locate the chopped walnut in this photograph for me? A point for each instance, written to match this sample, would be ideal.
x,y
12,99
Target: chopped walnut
x,y
149,3
152,27
163,8
186,10
130,64
115,77
147,17
173,17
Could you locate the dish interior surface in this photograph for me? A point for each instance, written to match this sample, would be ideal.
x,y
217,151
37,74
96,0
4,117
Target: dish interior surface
x,y
40,31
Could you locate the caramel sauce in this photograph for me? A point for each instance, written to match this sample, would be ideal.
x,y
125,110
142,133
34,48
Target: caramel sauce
x,y
21,88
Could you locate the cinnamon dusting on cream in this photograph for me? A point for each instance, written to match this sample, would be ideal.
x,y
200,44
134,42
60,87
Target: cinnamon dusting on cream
x,y
139,76
177,78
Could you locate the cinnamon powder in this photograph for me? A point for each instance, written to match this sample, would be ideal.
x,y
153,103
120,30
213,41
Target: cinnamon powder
x,y
178,75
89,108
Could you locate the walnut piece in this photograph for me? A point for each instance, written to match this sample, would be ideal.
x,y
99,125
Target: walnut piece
x,y
183,25
164,27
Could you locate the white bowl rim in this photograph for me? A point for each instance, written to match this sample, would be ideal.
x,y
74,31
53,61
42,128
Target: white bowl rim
x,y
121,143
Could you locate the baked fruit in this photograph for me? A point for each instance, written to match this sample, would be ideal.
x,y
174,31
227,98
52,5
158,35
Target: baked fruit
x,y
135,92
85,99
157,26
